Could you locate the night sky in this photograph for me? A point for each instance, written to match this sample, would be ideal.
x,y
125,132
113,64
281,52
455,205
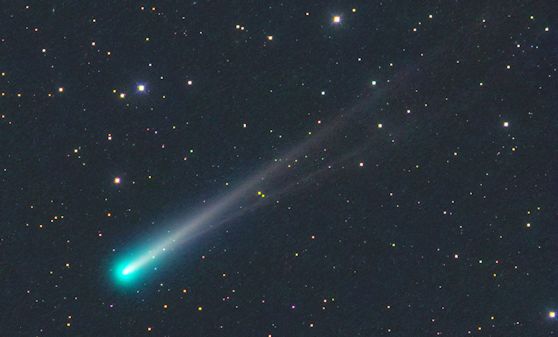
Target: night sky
x,y
414,151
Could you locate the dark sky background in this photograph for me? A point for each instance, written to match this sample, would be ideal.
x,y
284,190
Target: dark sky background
x,y
425,207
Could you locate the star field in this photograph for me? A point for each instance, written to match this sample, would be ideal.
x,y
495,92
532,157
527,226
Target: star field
x,y
423,202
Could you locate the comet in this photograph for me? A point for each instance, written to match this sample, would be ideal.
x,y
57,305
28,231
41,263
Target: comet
x,y
228,206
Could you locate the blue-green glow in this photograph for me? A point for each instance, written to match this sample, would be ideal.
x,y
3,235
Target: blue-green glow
x,y
128,270
126,273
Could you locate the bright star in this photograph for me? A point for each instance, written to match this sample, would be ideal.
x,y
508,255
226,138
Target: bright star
x,y
141,87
